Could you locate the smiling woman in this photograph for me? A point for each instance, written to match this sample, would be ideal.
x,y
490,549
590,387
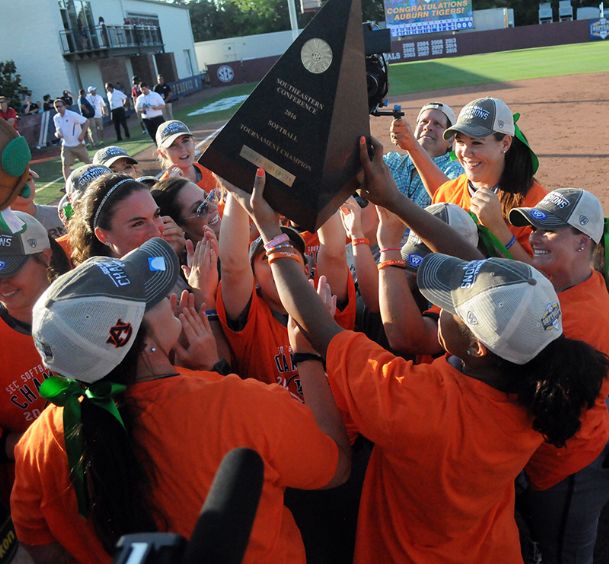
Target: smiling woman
x,y
176,152
190,206
116,215
499,166
26,260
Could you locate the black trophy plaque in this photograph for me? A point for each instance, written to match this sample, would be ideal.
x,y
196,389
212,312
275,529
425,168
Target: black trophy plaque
x,y
303,121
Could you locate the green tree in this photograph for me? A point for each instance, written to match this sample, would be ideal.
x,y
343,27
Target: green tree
x,y
10,83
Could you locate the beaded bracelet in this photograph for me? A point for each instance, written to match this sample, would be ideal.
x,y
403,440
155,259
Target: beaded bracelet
x,y
276,241
387,263
360,241
511,242
281,247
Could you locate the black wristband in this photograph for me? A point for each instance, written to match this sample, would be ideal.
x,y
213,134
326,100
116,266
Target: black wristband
x,y
222,367
302,357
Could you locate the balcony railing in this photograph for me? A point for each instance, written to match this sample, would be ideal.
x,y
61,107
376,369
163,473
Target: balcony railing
x,y
106,37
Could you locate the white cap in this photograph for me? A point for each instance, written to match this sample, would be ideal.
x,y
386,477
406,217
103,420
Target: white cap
x,y
441,107
508,305
91,89
84,324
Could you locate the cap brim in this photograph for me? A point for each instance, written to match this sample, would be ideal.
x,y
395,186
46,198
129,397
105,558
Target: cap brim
x,y
468,130
160,263
10,265
169,140
434,279
523,217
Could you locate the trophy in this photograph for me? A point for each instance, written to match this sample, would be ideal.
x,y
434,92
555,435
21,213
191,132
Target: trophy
x,y
303,121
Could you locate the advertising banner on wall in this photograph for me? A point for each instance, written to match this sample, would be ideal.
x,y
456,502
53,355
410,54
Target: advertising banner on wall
x,y
412,17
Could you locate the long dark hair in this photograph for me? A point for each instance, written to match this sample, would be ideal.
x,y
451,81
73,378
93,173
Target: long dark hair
x,y
119,475
555,387
165,194
517,176
81,230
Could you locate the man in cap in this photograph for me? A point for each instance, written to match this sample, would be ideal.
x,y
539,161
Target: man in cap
x,y
427,164
71,129
101,110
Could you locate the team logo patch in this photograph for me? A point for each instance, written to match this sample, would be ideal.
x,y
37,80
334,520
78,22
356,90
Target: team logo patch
x,y
156,264
415,260
120,334
583,220
538,214
471,318
551,317
32,243
2,265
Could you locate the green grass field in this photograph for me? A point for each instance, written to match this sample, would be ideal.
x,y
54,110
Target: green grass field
x,y
404,78
506,66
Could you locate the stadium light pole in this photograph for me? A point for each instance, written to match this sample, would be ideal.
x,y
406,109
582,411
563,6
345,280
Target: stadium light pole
x,y
293,19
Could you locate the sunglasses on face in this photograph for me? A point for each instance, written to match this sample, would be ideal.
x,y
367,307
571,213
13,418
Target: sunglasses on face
x,y
202,209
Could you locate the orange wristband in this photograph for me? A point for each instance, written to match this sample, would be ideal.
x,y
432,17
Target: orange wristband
x,y
387,263
282,255
360,241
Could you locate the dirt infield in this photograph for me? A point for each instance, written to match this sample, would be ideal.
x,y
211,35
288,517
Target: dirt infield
x,y
566,120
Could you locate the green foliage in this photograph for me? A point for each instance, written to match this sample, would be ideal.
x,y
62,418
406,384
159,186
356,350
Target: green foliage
x,y
10,83
219,19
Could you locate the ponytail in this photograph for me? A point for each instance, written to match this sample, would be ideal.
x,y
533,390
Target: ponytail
x,y
563,380
119,477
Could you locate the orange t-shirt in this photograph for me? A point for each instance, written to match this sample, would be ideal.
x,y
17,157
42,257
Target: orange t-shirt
x,y
186,425
207,182
261,349
439,487
21,376
585,311
457,192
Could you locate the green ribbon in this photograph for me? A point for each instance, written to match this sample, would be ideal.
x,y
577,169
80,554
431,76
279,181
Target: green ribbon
x,y
522,137
493,245
66,393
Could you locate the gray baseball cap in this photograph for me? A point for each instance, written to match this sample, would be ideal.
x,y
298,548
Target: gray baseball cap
x,y
414,250
483,117
109,155
169,131
86,321
81,177
508,305
15,248
564,207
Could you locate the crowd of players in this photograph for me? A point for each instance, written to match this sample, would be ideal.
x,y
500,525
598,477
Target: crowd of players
x,y
434,361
